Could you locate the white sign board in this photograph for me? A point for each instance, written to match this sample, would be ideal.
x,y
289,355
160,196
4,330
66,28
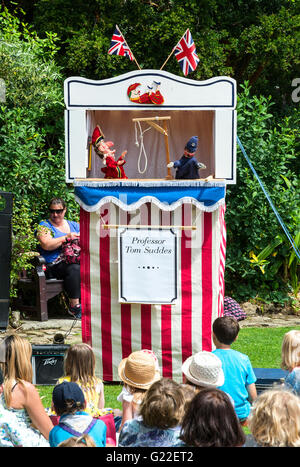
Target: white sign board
x,y
147,266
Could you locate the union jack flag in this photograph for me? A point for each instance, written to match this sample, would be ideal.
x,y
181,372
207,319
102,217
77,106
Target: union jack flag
x,y
185,53
118,45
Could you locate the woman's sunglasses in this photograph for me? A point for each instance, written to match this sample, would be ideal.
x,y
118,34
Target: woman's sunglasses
x,y
57,211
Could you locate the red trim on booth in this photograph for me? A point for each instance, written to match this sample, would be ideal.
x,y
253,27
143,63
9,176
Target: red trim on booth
x,y
105,301
86,329
146,327
166,340
186,284
126,330
207,291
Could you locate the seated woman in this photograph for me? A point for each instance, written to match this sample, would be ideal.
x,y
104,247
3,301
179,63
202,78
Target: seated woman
x,y
52,234
20,397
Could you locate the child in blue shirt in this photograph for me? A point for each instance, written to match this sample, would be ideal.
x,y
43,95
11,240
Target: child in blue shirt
x,y
69,403
238,372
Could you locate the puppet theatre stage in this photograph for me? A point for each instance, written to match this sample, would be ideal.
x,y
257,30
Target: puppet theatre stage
x,y
114,328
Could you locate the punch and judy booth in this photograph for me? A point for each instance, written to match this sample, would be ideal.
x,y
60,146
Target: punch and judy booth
x,y
153,241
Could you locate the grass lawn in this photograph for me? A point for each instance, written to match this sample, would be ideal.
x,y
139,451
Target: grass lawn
x,y
262,345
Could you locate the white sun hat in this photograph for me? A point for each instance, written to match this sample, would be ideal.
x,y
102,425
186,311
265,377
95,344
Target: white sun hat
x,y
204,369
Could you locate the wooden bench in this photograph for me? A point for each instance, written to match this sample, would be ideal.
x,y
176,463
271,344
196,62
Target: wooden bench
x,y
37,289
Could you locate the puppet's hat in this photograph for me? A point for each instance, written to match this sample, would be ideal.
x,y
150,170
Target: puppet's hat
x,y
132,87
192,144
97,136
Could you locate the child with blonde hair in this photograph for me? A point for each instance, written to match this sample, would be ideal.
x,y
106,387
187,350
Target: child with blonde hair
x,y
20,397
79,367
290,359
275,419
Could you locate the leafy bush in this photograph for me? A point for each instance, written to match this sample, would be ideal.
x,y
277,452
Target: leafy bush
x,y
31,132
32,138
251,223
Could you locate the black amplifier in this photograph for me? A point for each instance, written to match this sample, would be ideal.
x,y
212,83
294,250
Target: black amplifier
x,y
48,363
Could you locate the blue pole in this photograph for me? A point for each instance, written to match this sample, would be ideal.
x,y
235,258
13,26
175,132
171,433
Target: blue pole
x,y
269,200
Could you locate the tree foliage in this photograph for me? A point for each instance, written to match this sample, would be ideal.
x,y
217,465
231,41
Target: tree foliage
x,y
31,118
251,222
31,131
254,40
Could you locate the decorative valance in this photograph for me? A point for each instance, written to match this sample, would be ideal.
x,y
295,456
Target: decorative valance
x,y
130,195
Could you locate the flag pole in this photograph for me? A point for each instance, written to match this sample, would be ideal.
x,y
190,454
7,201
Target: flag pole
x,y
172,51
128,46
169,57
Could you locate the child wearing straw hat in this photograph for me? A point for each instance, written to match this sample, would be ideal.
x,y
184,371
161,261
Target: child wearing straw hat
x,y
138,372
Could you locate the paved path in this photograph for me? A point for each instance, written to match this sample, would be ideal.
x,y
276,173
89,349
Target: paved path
x,y
41,333
272,321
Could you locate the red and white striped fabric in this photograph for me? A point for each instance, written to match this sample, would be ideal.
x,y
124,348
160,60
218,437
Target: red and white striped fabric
x,y
222,261
173,332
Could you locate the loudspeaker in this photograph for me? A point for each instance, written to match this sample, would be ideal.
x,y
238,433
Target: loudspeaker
x,y
6,208
267,377
48,363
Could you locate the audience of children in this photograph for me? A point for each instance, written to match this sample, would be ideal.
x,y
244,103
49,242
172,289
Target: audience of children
x,y
159,420
275,419
207,410
290,359
79,367
210,421
239,375
69,403
20,397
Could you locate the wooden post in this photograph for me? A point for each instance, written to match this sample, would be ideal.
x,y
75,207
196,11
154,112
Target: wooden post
x,y
89,147
146,226
169,174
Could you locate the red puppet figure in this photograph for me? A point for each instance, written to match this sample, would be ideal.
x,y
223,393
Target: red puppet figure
x,y
113,168
149,97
